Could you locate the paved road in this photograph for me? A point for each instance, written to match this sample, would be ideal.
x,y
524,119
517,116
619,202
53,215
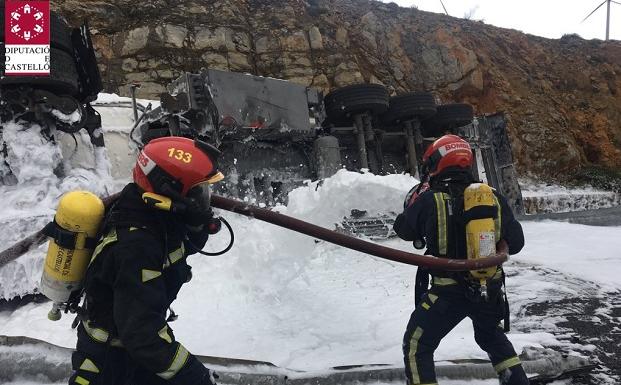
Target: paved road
x,y
600,217
584,317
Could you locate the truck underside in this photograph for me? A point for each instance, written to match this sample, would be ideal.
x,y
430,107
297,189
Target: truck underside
x,y
275,134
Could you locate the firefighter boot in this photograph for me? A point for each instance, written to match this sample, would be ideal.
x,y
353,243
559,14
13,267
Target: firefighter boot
x,y
514,375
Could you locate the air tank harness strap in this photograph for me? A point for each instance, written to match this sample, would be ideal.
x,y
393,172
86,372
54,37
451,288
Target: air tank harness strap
x,y
68,239
481,212
485,211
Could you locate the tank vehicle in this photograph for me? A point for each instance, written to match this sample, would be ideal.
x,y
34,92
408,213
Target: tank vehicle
x,y
276,134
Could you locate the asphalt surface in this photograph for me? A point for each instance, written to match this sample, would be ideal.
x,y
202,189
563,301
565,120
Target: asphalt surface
x,y
600,217
591,326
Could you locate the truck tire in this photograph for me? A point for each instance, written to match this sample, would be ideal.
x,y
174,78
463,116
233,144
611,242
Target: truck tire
x,y
60,33
448,117
454,115
63,79
413,105
342,103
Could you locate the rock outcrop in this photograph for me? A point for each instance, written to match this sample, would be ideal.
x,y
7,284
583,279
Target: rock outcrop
x,y
563,97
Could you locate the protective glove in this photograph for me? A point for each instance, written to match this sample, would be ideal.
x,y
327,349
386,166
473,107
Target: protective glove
x,y
403,230
206,223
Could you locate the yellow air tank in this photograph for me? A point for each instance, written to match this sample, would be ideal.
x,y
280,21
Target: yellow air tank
x,y
72,233
480,230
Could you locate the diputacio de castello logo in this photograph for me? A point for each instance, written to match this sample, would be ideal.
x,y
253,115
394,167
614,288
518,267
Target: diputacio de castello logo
x,y
27,38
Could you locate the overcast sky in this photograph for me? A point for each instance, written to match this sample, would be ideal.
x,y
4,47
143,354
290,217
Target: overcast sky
x,y
548,18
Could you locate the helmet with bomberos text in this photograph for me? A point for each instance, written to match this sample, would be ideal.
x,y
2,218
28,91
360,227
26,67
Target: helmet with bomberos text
x,y
173,165
449,151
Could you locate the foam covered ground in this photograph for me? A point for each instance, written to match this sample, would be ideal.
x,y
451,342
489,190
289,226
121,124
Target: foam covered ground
x,y
283,297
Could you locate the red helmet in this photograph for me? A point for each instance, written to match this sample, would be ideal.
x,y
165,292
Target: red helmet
x,y
178,163
447,151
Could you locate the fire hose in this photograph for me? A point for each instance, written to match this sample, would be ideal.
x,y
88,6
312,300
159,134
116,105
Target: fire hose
x,y
303,227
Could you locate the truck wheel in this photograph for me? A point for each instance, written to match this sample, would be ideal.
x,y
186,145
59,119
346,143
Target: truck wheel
x,y
60,33
454,115
342,103
413,105
448,117
63,77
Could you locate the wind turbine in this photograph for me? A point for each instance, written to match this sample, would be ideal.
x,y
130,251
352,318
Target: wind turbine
x,y
607,15
445,11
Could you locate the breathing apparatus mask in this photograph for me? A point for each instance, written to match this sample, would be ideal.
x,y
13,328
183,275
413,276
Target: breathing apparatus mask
x,y
174,174
194,210
198,213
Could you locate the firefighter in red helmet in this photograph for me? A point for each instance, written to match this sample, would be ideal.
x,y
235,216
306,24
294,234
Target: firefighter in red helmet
x,y
139,266
434,217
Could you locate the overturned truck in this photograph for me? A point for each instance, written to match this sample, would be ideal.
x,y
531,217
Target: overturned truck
x,y
275,134
58,102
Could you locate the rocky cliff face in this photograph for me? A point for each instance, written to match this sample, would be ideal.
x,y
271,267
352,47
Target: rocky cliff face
x,y
563,97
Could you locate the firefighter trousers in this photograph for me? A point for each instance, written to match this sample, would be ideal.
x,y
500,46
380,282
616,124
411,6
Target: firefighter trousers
x,y
440,310
100,362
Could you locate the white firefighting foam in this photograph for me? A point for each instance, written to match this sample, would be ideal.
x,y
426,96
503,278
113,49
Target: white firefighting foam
x,y
283,297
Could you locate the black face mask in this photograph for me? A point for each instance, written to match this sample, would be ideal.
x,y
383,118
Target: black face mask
x,y
201,195
198,202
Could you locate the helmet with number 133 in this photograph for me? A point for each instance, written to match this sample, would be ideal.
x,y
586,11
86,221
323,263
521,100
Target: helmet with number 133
x,y
175,165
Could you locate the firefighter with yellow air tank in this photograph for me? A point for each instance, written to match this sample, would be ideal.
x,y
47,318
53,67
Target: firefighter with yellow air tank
x,y
137,267
454,216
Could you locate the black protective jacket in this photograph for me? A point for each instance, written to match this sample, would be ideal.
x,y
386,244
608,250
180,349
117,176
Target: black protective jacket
x,y
419,221
137,270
